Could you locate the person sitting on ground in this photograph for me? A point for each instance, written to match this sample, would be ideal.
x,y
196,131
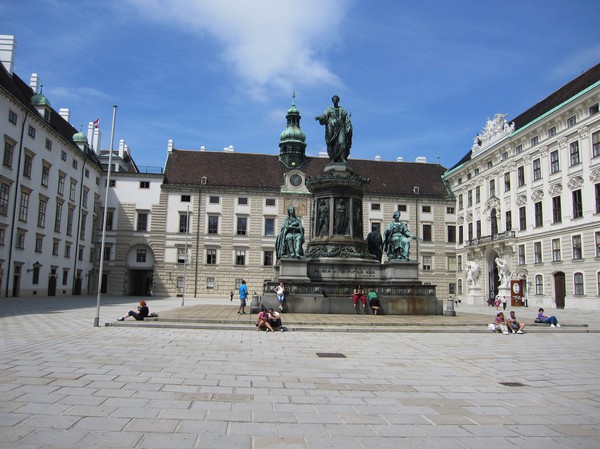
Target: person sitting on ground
x,y
263,321
547,319
359,295
275,319
142,312
374,302
514,324
500,323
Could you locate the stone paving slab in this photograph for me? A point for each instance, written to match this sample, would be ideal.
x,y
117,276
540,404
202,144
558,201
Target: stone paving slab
x,y
144,387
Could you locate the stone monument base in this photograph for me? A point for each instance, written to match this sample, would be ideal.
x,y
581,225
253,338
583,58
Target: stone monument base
x,y
327,285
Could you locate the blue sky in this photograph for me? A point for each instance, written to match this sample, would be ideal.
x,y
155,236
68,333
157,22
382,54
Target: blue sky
x,y
420,78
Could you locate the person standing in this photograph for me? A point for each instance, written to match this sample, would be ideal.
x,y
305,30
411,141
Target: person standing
x,y
504,303
231,296
280,292
243,296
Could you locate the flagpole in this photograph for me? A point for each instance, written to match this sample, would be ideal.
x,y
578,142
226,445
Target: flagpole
x,y
187,228
105,218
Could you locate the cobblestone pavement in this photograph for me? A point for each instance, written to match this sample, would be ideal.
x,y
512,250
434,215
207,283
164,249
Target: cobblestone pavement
x,y
67,384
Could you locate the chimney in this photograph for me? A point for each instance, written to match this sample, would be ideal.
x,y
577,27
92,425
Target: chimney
x,y
399,159
121,148
65,113
421,159
7,52
377,158
34,82
170,146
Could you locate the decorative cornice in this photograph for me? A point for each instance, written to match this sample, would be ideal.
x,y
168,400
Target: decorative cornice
x,y
521,200
493,131
583,132
575,182
536,196
555,189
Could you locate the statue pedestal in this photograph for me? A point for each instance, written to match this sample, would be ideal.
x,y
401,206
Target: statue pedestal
x,y
474,296
504,291
292,270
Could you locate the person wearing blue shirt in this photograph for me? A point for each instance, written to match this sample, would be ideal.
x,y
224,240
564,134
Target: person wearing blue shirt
x,y
243,296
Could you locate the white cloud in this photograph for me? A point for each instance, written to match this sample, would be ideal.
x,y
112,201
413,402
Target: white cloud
x,y
267,43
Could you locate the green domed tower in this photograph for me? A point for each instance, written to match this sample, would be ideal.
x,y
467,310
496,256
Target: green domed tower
x,y
292,140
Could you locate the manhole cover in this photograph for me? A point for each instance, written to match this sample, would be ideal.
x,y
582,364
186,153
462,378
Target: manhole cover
x,y
513,384
331,355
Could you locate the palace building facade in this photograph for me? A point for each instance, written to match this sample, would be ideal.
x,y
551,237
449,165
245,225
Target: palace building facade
x,y
528,193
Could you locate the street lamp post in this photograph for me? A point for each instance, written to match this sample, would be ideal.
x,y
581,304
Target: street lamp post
x,y
105,219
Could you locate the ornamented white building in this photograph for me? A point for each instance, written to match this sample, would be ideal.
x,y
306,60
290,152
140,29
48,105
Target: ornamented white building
x,y
528,193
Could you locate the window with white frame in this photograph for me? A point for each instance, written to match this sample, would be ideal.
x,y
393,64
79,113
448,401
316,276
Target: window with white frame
x,y
183,222
242,226
520,176
42,213
537,252
556,209
522,218
24,206
596,144
45,175
552,131
576,243
521,254
427,263
181,254
598,283
460,286
213,224
577,204
506,182
538,214
574,153
210,282
451,263
427,233
597,236
597,192
142,221
180,282
211,256
140,256
267,258
556,256
554,162
477,195
578,284
571,121
534,141
240,257
539,284
269,227
537,169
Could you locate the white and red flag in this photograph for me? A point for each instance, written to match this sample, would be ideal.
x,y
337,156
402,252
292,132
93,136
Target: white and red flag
x,y
96,123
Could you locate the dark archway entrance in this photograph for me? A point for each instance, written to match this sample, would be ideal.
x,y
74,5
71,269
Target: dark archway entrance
x,y
52,286
559,289
77,288
140,282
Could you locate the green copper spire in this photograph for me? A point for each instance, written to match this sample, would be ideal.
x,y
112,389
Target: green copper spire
x,y
292,140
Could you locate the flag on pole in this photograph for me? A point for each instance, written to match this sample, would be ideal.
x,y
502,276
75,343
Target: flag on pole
x,y
96,123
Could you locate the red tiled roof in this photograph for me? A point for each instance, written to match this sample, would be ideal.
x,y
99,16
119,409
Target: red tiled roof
x,y
261,171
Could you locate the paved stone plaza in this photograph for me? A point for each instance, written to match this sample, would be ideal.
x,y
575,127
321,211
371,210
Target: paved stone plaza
x,y
67,384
